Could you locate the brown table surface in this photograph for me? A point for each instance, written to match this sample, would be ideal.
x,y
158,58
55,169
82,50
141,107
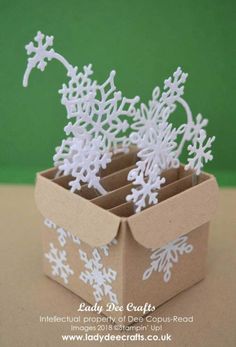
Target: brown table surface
x,y
25,293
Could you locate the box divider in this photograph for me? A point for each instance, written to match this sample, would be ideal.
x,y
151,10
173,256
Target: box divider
x,y
117,196
126,209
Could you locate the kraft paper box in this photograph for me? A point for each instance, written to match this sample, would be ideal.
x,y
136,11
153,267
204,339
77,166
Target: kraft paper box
x,y
102,251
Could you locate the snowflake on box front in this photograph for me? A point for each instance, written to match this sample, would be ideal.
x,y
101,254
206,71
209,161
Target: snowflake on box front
x,y
163,259
63,235
58,261
201,152
100,113
98,277
40,51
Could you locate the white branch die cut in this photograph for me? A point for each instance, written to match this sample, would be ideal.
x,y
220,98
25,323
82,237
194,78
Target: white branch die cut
x,y
164,258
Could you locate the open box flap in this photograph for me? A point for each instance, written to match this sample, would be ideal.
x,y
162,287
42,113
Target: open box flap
x,y
176,216
77,215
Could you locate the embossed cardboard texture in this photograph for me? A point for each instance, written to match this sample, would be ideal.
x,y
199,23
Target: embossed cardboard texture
x,y
97,247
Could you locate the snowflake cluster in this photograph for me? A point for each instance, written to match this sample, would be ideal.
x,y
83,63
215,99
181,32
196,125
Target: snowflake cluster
x,y
100,116
157,141
95,274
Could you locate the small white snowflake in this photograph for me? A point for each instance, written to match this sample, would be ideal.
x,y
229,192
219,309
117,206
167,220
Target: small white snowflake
x,y
58,261
98,277
40,50
146,192
200,151
86,163
174,87
163,259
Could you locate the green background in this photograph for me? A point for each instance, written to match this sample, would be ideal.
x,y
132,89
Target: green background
x,y
144,41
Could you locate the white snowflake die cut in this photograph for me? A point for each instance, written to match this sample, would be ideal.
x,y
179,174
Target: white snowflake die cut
x,y
164,258
157,152
84,161
98,277
200,151
146,192
106,116
58,260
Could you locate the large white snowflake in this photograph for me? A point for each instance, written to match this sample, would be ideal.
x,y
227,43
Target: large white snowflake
x,y
78,94
163,259
98,277
105,115
201,152
58,261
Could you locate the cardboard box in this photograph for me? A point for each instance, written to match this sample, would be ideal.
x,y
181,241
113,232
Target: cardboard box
x,y
99,249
